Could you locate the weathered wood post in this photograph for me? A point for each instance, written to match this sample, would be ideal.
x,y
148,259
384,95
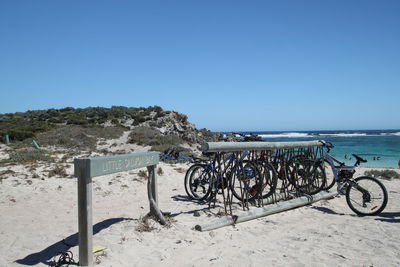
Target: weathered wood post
x,y
153,183
152,193
87,168
85,224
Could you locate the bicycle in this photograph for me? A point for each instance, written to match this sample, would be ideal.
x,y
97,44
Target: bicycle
x,y
365,195
204,180
299,170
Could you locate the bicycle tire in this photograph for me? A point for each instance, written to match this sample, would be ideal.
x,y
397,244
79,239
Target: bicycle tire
x,y
368,206
330,177
200,182
306,175
269,179
245,181
187,178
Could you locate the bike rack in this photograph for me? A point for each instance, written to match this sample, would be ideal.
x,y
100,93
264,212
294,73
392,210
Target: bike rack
x,y
261,207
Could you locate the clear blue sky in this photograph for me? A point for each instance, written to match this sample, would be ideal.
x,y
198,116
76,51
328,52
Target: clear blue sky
x,y
228,65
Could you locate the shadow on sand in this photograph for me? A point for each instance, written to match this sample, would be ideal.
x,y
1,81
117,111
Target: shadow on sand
x,y
326,210
46,255
204,205
390,217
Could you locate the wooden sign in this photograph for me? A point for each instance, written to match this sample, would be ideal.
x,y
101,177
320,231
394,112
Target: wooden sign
x,y
111,164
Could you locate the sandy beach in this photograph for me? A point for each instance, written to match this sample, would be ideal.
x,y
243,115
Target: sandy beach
x,y
39,219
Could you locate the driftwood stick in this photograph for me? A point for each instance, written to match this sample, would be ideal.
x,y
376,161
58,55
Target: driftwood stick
x,y
152,195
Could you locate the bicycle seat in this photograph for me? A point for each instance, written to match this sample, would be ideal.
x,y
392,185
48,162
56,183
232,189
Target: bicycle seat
x,y
208,154
358,158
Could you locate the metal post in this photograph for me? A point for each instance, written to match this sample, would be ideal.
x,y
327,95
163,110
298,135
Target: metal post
x,y
7,139
85,212
35,144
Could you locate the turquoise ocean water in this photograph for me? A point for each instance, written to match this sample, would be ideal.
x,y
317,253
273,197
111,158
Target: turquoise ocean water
x,y
369,144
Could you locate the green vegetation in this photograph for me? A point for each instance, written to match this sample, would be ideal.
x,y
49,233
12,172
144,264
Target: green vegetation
x,y
78,137
82,129
384,174
152,137
27,155
23,125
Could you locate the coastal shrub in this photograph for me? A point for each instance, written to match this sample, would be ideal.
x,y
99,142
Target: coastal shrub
x,y
27,155
384,174
143,135
22,125
168,147
151,137
73,136
23,130
142,174
208,136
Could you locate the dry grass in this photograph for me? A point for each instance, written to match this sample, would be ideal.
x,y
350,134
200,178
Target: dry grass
x,y
180,170
78,137
152,137
142,174
384,174
4,174
144,225
58,171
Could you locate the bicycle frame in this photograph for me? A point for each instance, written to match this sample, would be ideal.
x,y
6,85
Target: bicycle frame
x,y
336,169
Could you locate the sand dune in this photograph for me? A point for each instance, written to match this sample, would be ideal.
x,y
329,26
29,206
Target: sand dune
x,y
39,219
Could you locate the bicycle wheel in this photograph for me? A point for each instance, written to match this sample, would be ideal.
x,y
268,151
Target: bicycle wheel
x,y
199,183
366,196
269,179
187,178
306,175
245,181
282,176
330,178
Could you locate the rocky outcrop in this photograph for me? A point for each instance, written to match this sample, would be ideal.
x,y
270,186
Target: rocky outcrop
x,y
22,126
177,124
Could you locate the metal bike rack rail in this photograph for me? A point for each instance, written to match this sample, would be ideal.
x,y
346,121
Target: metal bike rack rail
x,y
256,146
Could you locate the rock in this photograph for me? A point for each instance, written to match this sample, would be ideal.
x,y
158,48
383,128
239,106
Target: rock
x,y
179,128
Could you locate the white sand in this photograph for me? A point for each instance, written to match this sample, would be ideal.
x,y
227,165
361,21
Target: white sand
x,y
121,145
36,215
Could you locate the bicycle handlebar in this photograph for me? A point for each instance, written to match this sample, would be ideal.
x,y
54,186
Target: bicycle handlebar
x,y
359,160
328,145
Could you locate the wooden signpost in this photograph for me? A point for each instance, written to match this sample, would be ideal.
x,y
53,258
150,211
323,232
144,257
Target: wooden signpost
x,y
87,168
